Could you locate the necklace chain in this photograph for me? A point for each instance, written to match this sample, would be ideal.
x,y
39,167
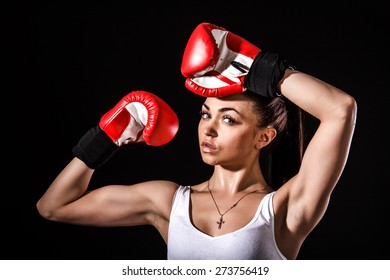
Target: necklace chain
x,y
221,220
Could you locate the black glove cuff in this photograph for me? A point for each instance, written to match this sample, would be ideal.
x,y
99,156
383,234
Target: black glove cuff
x,y
95,148
265,73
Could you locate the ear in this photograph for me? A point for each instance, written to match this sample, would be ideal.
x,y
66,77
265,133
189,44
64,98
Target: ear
x,y
265,136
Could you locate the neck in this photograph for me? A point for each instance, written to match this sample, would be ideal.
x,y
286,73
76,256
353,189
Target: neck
x,y
230,182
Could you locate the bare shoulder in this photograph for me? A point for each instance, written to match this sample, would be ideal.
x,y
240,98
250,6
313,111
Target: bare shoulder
x,y
162,189
159,194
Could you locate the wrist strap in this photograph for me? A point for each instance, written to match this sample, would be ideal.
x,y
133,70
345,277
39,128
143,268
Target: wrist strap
x,y
95,148
265,73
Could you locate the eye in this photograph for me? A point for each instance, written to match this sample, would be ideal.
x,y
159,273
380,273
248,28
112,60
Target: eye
x,y
229,120
204,115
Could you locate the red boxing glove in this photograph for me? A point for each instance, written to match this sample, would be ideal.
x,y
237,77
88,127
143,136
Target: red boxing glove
x,y
216,61
140,116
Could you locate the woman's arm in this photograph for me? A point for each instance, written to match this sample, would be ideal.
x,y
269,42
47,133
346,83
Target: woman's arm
x,y
139,117
68,200
307,194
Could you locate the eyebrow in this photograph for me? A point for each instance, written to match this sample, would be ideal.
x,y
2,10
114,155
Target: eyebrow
x,y
223,109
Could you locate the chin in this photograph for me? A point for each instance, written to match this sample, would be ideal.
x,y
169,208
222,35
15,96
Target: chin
x,y
209,161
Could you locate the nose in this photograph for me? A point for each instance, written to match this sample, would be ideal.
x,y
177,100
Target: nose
x,y
208,128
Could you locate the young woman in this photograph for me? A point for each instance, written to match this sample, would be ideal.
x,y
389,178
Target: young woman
x,y
243,211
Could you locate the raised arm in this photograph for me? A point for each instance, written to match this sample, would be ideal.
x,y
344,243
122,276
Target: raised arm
x,y
307,194
139,117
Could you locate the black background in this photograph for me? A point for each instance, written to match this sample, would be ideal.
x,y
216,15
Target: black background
x,y
73,62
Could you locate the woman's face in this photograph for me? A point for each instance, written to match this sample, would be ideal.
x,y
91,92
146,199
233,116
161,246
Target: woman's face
x,y
227,131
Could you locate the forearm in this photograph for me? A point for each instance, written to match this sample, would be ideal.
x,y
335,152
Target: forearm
x,y
322,100
67,187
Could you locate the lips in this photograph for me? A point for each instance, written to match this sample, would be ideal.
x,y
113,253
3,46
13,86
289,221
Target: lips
x,y
208,147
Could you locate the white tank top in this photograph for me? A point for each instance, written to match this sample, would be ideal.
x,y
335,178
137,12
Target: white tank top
x,y
255,241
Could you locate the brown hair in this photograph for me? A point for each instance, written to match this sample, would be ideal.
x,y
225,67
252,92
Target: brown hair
x,y
281,159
